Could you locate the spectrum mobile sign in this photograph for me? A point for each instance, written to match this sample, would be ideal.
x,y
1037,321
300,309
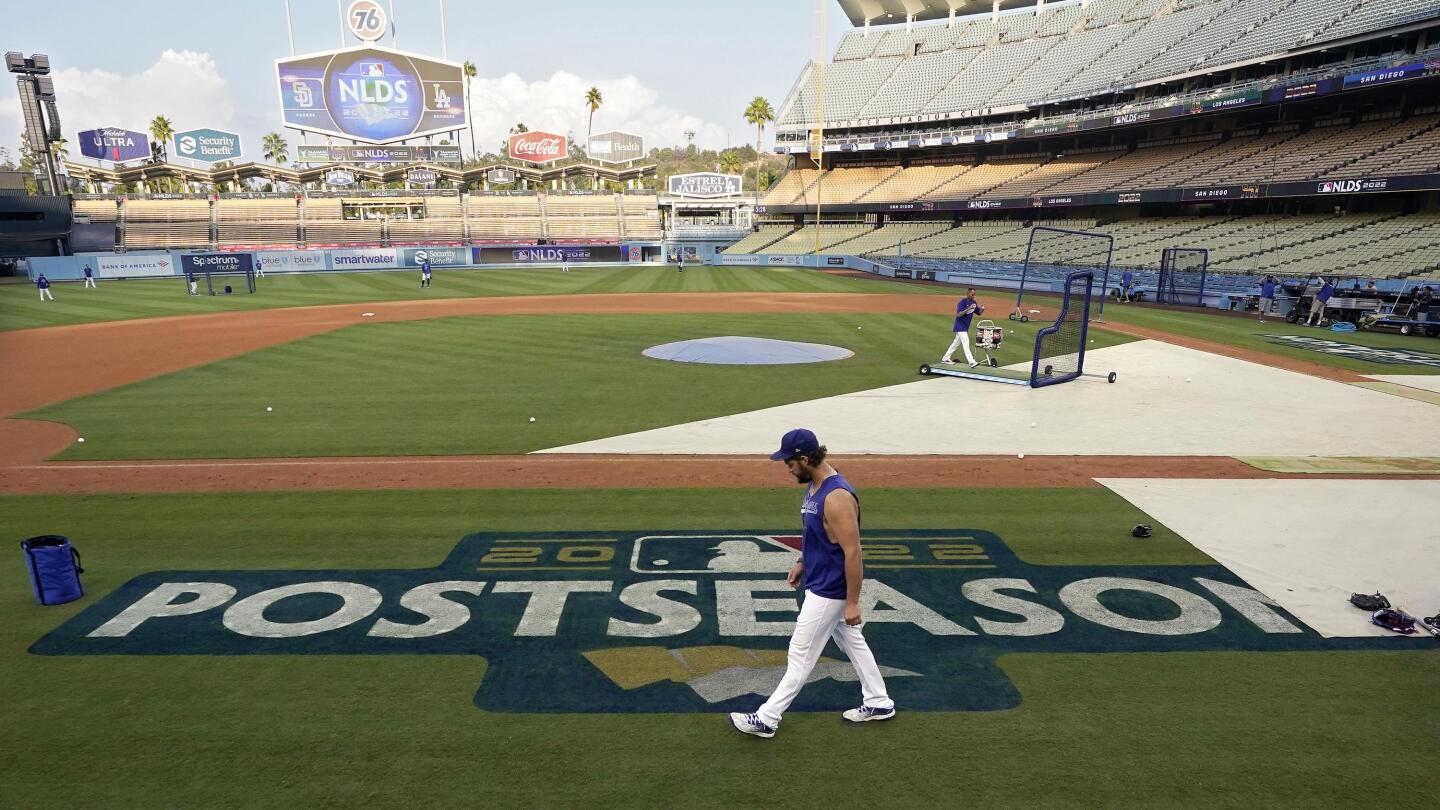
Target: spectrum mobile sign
x,y
208,145
686,621
371,94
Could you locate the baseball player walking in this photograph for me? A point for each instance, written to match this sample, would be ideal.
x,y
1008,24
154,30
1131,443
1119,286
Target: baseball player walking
x,y
194,285
43,285
965,310
89,276
831,568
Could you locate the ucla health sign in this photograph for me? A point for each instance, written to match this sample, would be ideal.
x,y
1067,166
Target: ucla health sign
x,y
114,143
208,145
371,94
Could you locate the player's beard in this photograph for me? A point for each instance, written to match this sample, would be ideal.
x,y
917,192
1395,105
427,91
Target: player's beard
x,y
803,475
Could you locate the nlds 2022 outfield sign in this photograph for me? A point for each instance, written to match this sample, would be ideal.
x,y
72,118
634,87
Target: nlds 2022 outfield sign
x,y
688,621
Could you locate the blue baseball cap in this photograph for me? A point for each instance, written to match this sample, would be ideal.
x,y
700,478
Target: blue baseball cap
x,y
794,443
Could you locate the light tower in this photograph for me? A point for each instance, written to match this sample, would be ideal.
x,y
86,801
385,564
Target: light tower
x,y
37,109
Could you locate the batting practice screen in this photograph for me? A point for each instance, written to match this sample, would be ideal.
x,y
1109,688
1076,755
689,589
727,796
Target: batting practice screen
x,y
1182,276
1060,347
1053,254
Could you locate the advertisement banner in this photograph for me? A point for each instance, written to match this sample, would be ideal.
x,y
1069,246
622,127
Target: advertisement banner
x,y
371,94
377,154
1226,103
340,177
791,261
539,147
1305,90
289,261
136,266
208,145
1393,74
422,176
543,254
113,143
364,259
1221,193
437,256
216,263
704,184
726,258
500,177
615,147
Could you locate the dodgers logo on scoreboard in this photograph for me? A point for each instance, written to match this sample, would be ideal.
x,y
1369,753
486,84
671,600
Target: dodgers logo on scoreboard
x,y
666,621
371,94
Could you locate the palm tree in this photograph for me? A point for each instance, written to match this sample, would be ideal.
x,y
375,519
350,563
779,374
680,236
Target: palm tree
x,y
470,73
277,151
730,162
759,113
160,132
59,151
593,101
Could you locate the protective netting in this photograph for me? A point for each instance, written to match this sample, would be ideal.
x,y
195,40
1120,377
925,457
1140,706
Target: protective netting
x,y
1060,347
1054,253
1182,276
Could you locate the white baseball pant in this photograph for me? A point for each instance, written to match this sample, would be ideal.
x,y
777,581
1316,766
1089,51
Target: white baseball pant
x,y
820,620
962,341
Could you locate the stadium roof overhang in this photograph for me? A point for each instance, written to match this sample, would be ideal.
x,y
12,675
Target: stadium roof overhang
x,y
316,174
883,12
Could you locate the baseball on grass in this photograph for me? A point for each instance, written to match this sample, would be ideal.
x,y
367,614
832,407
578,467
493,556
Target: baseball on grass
x,y
81,439
268,409
532,419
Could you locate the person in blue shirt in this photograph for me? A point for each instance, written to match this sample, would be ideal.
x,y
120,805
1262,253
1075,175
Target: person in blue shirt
x,y
965,310
425,274
1127,286
1317,305
194,284
89,276
831,569
1267,295
43,285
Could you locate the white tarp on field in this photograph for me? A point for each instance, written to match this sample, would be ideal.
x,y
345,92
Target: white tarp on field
x,y
1309,544
1169,401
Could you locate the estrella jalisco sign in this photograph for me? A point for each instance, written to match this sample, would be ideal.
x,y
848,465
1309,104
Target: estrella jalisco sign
x,y
693,621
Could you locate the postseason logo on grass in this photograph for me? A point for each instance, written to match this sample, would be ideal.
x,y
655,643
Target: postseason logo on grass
x,y
1374,354
686,622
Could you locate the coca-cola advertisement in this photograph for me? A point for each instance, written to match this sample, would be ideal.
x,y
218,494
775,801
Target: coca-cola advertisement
x,y
538,147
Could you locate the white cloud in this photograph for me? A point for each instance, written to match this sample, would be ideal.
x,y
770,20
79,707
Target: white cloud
x,y
557,104
184,86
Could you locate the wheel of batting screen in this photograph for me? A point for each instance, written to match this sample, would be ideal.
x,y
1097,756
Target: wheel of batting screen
x,y
1406,329
1012,316
1024,319
993,363
1049,370
925,368
1111,378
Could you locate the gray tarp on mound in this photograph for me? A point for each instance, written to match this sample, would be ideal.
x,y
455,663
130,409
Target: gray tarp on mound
x,y
746,351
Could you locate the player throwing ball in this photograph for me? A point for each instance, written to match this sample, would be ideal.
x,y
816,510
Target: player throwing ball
x,y
830,567
965,311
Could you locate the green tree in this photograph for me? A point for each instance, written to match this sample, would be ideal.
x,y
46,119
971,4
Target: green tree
x,y
276,151
593,102
470,73
730,162
759,113
160,133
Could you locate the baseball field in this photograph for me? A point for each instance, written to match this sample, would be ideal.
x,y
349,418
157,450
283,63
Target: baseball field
x,y
349,542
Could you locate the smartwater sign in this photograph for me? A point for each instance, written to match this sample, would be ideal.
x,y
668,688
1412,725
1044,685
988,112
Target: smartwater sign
x,y
208,145
364,259
113,143
371,94
704,184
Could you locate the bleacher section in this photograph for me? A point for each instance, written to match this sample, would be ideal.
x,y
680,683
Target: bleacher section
x,y
803,240
443,223
582,217
641,216
760,240
1069,51
325,224
272,221
166,224
504,217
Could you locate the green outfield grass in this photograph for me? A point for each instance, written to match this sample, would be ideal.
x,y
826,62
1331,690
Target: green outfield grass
x,y
1153,729
469,385
20,307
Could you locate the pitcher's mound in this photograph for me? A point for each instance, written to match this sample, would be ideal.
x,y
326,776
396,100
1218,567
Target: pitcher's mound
x,y
746,351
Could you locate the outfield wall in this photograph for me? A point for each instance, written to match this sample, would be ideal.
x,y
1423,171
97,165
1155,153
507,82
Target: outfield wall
x,y
157,264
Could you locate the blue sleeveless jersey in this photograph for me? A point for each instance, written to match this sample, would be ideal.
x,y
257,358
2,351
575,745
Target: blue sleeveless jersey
x,y
824,560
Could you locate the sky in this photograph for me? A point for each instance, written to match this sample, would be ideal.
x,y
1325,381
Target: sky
x,y
662,67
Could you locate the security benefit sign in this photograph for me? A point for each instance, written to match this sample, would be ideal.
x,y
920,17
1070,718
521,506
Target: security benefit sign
x,y
687,622
208,145
371,94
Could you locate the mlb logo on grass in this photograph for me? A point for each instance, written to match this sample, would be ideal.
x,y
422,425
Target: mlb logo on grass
x,y
713,554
